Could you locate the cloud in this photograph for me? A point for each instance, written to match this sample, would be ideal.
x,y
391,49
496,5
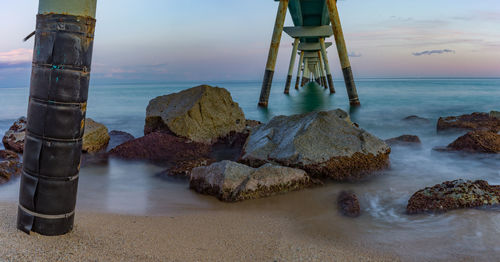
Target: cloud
x,y
432,52
16,58
354,54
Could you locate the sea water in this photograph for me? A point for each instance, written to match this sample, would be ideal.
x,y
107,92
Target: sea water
x,y
136,188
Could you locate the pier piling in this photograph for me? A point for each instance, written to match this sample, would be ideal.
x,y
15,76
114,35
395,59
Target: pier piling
x,y
292,64
299,69
273,53
327,65
56,115
342,51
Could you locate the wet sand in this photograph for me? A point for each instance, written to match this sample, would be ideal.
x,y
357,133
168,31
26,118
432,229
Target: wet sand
x,y
205,236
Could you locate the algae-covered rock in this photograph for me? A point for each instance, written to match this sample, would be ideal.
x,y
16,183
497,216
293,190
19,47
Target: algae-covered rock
x,y
14,137
202,114
95,136
324,144
474,121
477,142
454,195
9,165
230,181
348,204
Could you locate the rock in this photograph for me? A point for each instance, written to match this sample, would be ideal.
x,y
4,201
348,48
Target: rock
x,y
161,147
184,168
348,204
229,147
404,140
495,114
230,181
95,136
117,138
416,119
202,114
252,123
477,142
9,166
14,137
474,121
454,195
324,144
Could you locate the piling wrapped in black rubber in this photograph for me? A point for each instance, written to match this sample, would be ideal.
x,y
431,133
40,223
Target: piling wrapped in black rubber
x,y
56,118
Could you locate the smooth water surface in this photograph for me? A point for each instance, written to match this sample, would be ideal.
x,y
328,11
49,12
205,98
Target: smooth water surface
x,y
135,187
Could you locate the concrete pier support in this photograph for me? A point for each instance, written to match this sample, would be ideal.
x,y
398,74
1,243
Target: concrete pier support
x,y
56,115
305,78
327,65
292,64
273,53
342,50
322,67
299,70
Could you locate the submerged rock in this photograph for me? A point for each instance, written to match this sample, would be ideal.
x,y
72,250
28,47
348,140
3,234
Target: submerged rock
x,y
324,144
95,136
348,204
230,181
161,147
474,121
202,114
9,165
416,119
404,140
454,195
184,168
477,142
117,138
14,137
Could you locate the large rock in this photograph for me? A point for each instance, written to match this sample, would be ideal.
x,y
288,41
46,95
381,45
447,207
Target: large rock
x,y
454,195
14,137
324,144
203,114
477,142
474,121
161,147
230,181
95,136
9,165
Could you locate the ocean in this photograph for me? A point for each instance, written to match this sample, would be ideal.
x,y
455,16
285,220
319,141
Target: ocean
x,y
135,187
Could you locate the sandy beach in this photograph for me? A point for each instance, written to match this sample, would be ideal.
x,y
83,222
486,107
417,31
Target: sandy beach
x,y
207,236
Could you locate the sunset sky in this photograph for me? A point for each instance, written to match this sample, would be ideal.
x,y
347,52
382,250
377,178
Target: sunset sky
x,y
200,40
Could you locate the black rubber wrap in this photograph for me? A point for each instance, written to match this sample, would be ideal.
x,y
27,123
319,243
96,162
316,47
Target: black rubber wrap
x,y
56,118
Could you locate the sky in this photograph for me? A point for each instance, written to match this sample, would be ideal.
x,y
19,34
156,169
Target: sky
x,y
226,40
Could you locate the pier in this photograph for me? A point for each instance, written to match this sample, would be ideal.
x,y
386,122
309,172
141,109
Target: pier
x,y
314,20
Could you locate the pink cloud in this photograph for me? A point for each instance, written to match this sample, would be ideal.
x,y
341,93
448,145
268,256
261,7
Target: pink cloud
x,y
16,56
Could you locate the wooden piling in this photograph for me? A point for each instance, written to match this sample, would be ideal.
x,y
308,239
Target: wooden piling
x,y
273,53
342,51
327,66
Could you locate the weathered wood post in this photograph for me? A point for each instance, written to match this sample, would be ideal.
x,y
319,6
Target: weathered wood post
x,y
299,70
56,115
292,64
273,53
342,50
324,55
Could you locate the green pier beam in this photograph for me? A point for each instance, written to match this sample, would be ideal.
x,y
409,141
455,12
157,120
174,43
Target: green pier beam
x,y
342,50
292,64
273,53
59,86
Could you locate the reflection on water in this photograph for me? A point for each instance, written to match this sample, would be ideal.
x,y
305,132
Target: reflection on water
x,y
134,187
